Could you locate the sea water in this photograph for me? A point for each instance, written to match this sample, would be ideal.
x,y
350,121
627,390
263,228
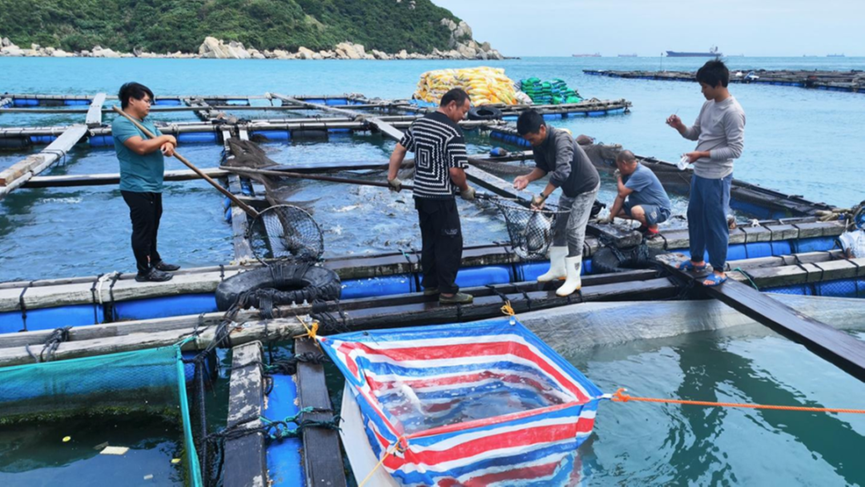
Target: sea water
x,y
69,452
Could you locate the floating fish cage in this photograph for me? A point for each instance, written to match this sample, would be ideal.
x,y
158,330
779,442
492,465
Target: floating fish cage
x,y
280,422
850,82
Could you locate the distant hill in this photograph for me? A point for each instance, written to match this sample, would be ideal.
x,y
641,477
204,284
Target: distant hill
x,y
182,25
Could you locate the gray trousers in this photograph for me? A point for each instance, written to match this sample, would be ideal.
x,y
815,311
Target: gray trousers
x,y
570,225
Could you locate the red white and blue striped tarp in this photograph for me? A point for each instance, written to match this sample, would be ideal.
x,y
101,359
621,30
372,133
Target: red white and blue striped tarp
x,y
468,404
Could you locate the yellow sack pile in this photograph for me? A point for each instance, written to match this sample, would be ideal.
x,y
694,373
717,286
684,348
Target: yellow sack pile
x,y
485,86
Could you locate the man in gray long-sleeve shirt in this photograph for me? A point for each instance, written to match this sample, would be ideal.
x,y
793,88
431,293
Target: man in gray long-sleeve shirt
x,y
720,135
557,153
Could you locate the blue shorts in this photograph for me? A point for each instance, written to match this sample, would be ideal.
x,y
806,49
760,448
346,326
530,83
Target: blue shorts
x,y
654,214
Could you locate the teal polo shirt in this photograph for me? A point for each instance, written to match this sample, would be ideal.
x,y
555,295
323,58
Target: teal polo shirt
x,y
139,174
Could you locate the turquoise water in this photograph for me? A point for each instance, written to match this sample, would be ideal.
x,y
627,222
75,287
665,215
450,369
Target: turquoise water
x,y
660,444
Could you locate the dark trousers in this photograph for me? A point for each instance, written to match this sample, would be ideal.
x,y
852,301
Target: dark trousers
x,y
442,240
145,210
707,219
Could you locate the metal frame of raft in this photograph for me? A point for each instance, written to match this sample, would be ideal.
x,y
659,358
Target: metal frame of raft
x,y
850,82
385,286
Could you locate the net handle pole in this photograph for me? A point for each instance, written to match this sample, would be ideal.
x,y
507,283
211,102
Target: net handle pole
x,y
332,179
228,194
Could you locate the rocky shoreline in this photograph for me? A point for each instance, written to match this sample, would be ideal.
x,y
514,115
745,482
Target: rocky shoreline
x,y
462,47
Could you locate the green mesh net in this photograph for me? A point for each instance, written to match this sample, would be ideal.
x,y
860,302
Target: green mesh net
x,y
150,381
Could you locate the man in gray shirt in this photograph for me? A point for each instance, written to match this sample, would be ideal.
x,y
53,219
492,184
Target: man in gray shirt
x,y
720,135
557,153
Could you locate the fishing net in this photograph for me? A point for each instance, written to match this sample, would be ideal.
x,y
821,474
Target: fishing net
x,y
281,232
285,233
530,231
147,381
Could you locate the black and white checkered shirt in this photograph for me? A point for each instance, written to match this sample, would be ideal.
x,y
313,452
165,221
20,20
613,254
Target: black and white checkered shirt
x,y
438,145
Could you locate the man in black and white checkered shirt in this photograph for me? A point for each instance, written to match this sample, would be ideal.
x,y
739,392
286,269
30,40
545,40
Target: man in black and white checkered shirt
x,y
439,147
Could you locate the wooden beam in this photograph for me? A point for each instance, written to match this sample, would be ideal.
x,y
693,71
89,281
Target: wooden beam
x,y
836,346
94,113
245,457
239,218
385,127
273,330
21,172
104,179
322,458
214,172
431,312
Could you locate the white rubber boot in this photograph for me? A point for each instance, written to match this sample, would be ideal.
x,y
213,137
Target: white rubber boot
x,y
557,265
574,265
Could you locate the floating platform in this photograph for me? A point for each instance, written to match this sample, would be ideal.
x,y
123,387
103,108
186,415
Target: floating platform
x,y
851,81
785,249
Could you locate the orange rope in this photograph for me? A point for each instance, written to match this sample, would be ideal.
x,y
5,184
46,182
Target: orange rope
x,y
390,451
620,396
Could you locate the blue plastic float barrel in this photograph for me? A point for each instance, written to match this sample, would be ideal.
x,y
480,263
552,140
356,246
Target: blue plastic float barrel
x,y
196,137
273,134
43,139
51,318
101,141
378,286
163,307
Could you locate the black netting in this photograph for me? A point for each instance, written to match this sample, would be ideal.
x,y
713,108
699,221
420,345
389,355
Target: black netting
x,y
530,231
285,232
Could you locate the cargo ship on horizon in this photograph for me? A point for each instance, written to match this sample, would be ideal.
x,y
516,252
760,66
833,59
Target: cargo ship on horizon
x,y
713,52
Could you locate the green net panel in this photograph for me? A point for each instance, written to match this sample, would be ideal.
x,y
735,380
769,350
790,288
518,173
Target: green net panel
x,y
151,381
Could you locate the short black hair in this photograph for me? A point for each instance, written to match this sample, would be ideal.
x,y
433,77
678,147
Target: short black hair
x,y
714,72
132,90
530,121
626,157
458,95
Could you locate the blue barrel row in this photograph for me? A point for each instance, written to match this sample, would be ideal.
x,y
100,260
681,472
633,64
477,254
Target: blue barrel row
x,y
273,135
576,114
843,288
35,102
189,304
755,250
183,138
510,138
331,101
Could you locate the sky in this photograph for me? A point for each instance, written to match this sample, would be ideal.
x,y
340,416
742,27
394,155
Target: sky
x,y
650,27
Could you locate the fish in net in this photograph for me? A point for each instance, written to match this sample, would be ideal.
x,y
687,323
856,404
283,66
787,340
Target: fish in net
x,y
283,233
529,230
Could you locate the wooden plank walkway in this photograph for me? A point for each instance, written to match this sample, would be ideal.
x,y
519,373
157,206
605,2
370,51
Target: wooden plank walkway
x,y
19,173
837,347
245,457
322,458
239,218
376,122
94,113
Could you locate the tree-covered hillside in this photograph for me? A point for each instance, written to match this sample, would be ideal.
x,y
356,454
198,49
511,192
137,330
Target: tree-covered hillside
x,y
172,25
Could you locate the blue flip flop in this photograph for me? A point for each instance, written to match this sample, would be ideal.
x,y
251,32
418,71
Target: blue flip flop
x,y
716,281
688,266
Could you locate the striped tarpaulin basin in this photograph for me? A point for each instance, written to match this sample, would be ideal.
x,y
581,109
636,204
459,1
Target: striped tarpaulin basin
x,y
468,404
